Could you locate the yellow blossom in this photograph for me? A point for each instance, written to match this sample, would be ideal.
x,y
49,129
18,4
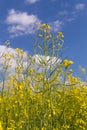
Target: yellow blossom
x,y
1,128
67,63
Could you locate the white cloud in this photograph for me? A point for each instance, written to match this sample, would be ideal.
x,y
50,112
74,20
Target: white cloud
x,y
80,6
21,23
8,50
32,1
22,18
12,63
5,50
56,25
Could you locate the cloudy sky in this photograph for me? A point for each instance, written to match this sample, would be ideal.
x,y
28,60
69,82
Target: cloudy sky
x,y
18,18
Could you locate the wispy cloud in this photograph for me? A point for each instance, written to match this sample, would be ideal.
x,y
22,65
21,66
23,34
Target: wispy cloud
x,y
80,6
56,25
70,15
21,23
32,1
62,13
70,19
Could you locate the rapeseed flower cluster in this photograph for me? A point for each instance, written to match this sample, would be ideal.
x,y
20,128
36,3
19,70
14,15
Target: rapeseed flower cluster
x,y
67,63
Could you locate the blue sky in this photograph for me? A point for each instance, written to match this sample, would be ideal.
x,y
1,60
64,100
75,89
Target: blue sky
x,y
18,17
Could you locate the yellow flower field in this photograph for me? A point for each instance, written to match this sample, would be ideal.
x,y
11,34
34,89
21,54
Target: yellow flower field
x,y
46,96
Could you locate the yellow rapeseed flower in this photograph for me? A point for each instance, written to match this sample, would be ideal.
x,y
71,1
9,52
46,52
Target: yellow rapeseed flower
x,y
1,128
17,49
59,35
42,128
45,31
67,63
46,26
